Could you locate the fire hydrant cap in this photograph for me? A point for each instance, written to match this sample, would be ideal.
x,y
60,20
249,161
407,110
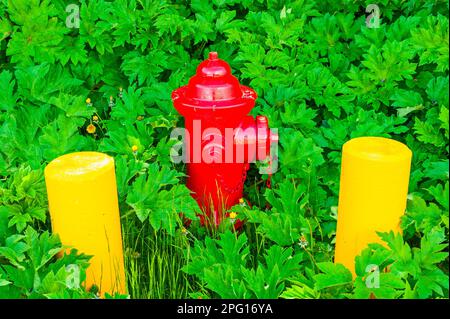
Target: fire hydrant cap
x,y
213,84
214,67
213,81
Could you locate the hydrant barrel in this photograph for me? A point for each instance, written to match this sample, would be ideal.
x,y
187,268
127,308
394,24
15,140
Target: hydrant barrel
x,y
221,138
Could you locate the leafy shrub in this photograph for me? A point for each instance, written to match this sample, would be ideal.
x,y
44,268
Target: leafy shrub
x,y
322,77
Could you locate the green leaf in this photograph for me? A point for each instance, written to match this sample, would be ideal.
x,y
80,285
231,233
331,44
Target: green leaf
x,y
441,195
375,255
431,281
61,137
333,275
426,132
286,221
73,49
8,98
391,63
5,29
3,224
39,82
444,118
129,107
437,89
424,216
4,282
430,252
432,41
144,68
437,170
404,98
73,106
299,116
399,248
300,155
219,263
222,280
158,198
233,248
40,35
390,287
43,247
14,250
300,291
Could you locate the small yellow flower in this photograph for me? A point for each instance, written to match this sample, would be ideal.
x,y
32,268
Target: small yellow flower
x,y
233,215
241,201
184,231
91,129
88,100
95,118
134,148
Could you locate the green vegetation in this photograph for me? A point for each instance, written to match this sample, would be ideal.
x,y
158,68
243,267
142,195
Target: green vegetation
x,y
322,77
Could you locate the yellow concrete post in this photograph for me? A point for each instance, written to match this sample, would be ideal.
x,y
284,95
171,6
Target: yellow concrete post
x,y
84,210
372,196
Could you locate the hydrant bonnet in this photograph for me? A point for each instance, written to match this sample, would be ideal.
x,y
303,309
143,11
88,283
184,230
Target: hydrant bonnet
x,y
213,87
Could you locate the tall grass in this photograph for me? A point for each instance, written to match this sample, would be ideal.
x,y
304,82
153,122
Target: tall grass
x,y
154,259
153,262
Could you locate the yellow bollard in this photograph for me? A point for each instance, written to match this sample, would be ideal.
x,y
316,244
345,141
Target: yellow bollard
x,y
372,196
84,210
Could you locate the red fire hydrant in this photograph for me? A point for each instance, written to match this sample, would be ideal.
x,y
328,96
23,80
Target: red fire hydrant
x,y
220,138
